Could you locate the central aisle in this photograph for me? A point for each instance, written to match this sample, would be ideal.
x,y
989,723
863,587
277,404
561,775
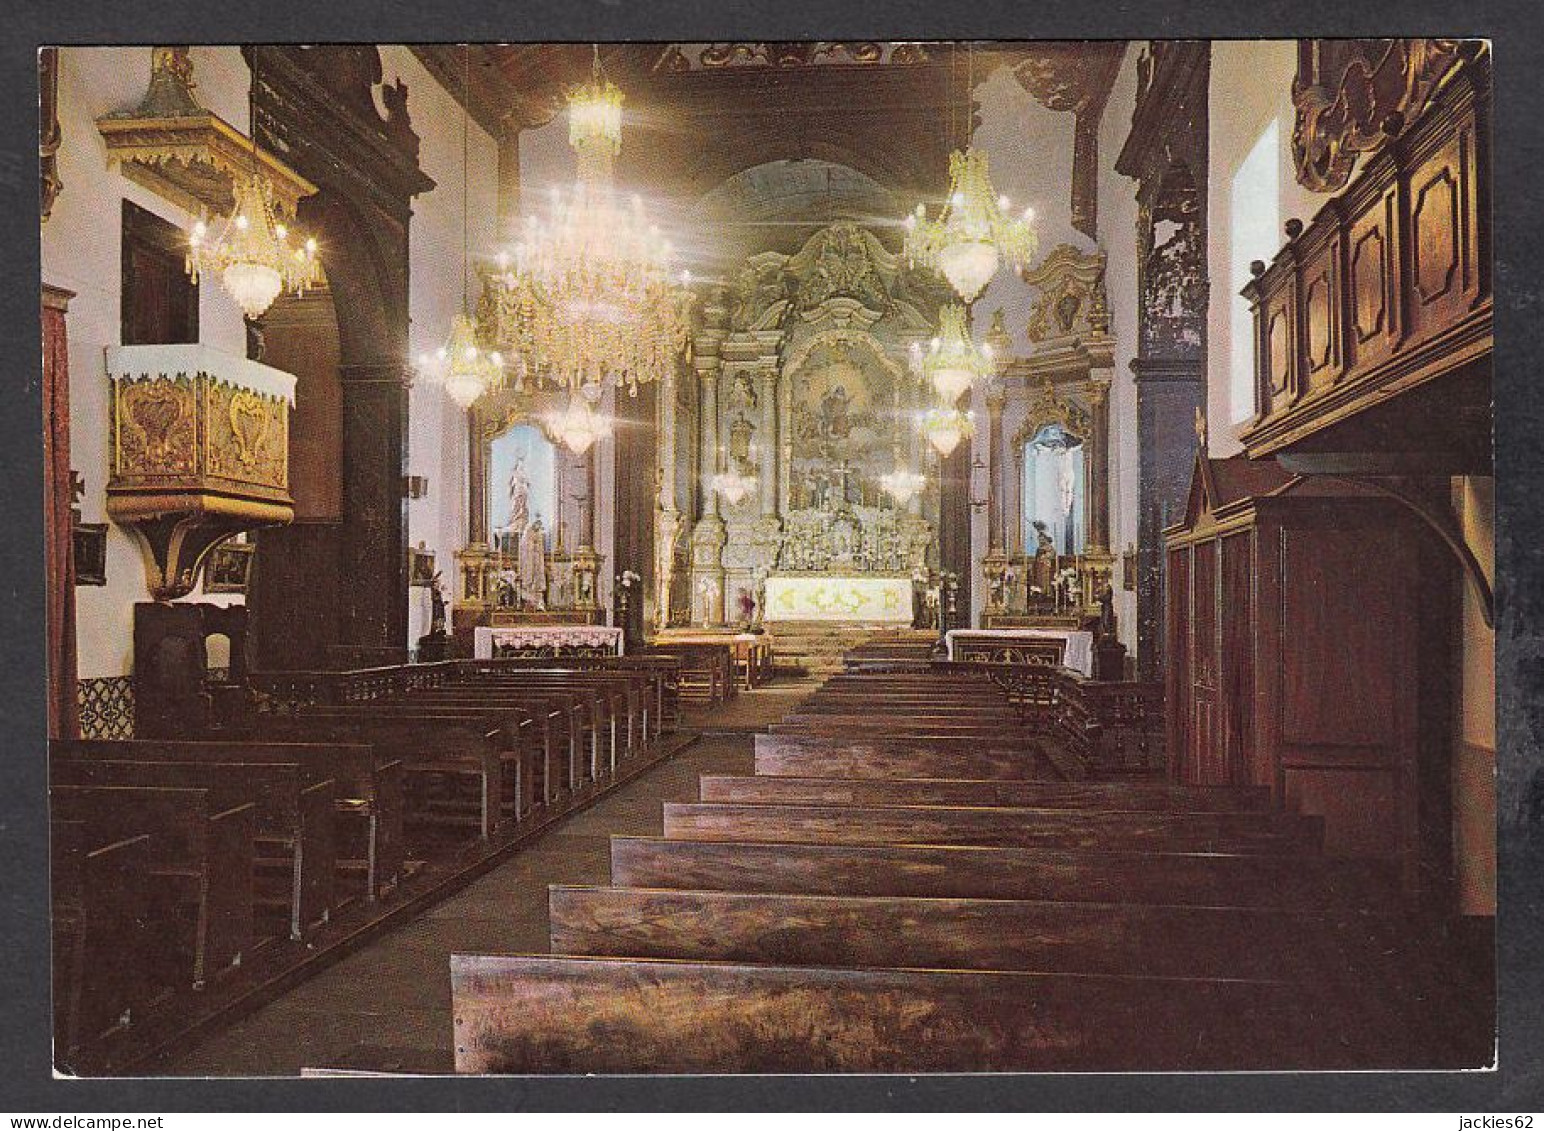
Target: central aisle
x,y
388,1006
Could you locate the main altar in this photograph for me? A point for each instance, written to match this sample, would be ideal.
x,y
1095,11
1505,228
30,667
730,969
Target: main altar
x,y
864,598
801,388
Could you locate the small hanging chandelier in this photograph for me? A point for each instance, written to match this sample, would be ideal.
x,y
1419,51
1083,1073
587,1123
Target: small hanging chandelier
x,y
944,427
953,361
579,425
595,114
252,254
465,369
903,485
974,232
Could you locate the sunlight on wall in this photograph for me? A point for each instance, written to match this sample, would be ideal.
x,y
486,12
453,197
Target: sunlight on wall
x,y
1255,206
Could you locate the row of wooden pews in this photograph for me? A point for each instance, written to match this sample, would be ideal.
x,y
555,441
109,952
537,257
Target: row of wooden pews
x,y
184,866
906,884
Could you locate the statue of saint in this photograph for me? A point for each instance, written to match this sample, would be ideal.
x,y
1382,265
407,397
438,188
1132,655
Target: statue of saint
x,y
533,566
519,498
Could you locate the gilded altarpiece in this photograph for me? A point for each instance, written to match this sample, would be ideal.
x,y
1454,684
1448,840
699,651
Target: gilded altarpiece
x,y
496,583
1055,399
803,385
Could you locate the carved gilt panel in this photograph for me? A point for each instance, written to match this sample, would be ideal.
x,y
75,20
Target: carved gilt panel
x,y
155,428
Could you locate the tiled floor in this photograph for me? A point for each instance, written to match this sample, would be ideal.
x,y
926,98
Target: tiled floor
x,y
395,994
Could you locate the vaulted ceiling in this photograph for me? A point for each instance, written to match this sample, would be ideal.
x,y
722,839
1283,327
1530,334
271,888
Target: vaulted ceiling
x,y
707,112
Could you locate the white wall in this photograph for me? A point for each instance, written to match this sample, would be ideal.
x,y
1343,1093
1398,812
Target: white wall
x,y
437,429
81,249
1251,86
1474,752
1118,239
81,246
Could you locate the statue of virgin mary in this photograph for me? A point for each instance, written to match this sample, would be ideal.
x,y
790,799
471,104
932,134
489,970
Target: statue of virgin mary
x,y
533,567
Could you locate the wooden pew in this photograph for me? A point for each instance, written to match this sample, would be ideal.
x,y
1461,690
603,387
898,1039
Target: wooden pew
x,y
1159,831
369,789
974,934
105,973
1119,796
644,690
467,744
887,756
293,821
954,871
567,727
566,1014
200,853
707,671
661,671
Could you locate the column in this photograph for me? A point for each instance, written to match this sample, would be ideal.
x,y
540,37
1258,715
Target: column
x,y
373,554
768,443
1099,466
509,180
708,378
995,398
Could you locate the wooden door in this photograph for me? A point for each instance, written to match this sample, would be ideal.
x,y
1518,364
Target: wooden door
x,y
1205,667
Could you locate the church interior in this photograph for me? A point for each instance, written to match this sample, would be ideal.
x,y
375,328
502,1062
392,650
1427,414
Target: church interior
x,y
769,557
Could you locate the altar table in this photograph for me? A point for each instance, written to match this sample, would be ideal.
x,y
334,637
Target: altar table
x,y
985,643
868,600
752,651
546,640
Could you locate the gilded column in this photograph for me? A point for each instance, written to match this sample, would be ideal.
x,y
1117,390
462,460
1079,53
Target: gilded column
x,y
768,446
1099,466
994,565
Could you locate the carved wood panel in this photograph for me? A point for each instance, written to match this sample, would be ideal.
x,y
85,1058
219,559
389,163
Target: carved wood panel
x,y
1441,193
1373,298
1389,286
1281,349
1321,316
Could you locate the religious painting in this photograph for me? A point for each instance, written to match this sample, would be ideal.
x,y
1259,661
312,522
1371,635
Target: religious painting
x,y
522,485
843,427
228,568
89,544
420,565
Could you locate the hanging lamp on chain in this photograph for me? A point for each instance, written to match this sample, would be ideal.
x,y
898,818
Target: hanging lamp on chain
x,y
462,366
252,254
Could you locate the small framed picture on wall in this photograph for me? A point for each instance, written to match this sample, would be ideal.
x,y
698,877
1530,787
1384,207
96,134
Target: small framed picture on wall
x,y
89,547
228,568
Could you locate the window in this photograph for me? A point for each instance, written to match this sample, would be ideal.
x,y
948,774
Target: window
x,y
160,302
1254,229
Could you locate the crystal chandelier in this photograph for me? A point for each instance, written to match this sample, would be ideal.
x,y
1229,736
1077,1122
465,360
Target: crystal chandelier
x,y
944,427
974,232
903,485
588,294
953,361
579,425
461,366
464,368
252,254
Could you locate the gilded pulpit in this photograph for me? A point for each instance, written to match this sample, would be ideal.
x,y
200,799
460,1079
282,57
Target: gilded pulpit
x,y
200,451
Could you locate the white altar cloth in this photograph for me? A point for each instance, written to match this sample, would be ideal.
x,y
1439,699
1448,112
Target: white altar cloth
x,y
557,636
1079,655
884,600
